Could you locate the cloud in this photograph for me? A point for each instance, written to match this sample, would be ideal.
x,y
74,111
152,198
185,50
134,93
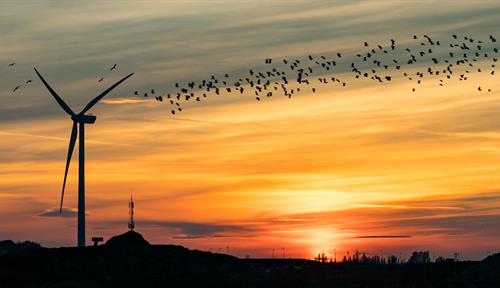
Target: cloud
x,y
192,230
475,214
190,237
46,137
200,121
54,212
119,101
381,236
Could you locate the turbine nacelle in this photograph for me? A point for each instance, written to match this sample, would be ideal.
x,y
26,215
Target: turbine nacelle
x,y
87,119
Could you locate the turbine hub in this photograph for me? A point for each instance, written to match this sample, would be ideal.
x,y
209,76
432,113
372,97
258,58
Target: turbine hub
x,y
87,119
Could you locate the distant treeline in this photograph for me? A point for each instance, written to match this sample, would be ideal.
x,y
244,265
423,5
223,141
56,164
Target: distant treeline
x,y
363,258
9,246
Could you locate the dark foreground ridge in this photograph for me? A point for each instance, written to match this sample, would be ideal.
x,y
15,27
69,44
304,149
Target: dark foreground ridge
x,y
128,260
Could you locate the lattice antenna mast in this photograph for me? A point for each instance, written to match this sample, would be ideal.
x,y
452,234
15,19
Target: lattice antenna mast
x,y
131,224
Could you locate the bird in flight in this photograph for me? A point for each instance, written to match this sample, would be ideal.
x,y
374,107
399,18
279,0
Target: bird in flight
x,y
16,88
11,64
383,63
113,68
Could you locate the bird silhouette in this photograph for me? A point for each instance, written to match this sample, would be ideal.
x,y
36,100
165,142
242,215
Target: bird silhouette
x,y
377,63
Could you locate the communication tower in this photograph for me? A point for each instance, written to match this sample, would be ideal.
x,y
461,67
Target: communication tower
x,y
131,224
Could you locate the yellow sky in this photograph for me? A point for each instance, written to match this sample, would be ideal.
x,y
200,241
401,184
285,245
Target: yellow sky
x,y
313,173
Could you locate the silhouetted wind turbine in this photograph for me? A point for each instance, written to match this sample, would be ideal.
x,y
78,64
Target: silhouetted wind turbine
x,y
80,120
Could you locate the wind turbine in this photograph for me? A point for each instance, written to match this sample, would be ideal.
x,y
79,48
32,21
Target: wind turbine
x,y
79,121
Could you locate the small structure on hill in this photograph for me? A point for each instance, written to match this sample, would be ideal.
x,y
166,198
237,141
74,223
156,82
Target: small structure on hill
x,y
96,240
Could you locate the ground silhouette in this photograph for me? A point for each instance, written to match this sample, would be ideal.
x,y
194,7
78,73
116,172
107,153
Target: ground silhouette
x,y
128,260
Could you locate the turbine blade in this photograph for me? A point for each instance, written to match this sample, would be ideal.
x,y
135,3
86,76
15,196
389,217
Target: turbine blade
x,y
72,141
57,97
100,96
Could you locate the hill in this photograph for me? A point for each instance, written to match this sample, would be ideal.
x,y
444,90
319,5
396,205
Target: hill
x,y
128,260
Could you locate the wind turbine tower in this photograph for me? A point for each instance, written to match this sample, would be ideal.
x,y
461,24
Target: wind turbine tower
x,y
79,121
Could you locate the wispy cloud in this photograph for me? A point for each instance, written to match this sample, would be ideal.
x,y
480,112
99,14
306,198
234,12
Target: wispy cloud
x,y
19,134
118,101
382,236
189,230
418,217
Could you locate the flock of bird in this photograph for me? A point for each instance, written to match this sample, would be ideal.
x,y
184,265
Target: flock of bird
x,y
19,86
110,69
431,61
420,60
462,58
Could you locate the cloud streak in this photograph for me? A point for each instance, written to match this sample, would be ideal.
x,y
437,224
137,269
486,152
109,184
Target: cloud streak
x,y
121,101
382,236
192,230
65,213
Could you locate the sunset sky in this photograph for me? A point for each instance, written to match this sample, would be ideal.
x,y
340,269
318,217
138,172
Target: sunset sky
x,y
337,170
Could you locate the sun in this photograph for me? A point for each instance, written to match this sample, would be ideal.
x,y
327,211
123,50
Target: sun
x,y
320,240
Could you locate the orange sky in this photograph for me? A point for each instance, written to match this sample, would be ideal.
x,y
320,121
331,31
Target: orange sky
x,y
314,173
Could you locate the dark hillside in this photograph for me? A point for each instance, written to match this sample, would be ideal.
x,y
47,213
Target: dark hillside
x,y
128,260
